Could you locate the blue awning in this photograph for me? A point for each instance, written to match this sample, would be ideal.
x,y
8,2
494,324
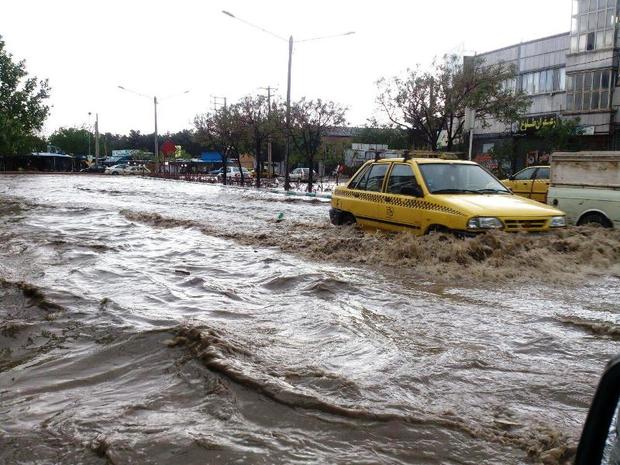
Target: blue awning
x,y
211,157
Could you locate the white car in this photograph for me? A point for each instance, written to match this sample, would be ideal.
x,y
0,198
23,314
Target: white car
x,y
233,172
127,169
302,174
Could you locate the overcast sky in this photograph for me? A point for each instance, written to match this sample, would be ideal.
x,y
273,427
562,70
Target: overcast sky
x,y
87,48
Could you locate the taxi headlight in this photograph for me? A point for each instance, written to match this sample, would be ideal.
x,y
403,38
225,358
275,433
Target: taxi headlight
x,y
558,222
484,222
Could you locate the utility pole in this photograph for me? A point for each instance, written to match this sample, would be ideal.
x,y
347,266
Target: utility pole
x,y
469,67
155,102
89,128
96,139
215,101
156,141
288,86
269,156
287,184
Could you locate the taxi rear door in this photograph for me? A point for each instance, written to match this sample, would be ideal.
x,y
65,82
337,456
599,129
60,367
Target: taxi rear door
x,y
363,197
402,209
521,183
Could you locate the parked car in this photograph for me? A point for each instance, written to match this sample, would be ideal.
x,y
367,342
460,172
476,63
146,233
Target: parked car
x,y
301,174
586,185
215,172
116,169
428,194
127,169
233,172
93,169
137,169
531,183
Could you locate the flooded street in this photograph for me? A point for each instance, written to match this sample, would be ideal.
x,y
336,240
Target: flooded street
x,y
160,322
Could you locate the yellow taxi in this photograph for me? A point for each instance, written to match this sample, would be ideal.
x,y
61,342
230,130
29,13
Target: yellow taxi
x,y
422,195
531,183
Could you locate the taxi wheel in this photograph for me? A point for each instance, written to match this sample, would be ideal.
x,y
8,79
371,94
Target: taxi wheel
x,y
436,229
339,217
348,218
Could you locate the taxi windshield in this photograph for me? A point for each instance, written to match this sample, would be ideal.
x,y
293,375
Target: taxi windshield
x,y
456,178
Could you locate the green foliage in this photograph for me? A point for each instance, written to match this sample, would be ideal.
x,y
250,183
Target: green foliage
x,y
309,120
75,141
505,154
394,138
22,105
562,136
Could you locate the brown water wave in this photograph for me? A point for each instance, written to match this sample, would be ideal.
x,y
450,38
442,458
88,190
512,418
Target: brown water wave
x,y
540,442
598,328
567,254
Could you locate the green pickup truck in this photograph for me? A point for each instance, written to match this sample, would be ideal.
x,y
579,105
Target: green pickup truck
x,y
586,186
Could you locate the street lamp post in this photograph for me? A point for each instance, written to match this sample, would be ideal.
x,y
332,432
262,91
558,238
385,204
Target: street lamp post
x,y
96,138
287,184
155,102
156,138
288,82
89,114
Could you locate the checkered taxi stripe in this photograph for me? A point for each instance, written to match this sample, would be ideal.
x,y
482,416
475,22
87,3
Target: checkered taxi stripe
x,y
407,202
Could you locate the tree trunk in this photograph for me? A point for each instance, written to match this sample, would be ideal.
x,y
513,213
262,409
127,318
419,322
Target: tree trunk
x,y
411,137
310,177
240,168
225,165
258,144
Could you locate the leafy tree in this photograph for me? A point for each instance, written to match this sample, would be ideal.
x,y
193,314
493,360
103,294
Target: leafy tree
x,y
186,139
22,105
74,141
261,123
563,136
332,152
430,102
223,131
393,137
309,120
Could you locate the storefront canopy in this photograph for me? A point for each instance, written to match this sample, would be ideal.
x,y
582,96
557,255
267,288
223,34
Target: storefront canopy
x,y
211,157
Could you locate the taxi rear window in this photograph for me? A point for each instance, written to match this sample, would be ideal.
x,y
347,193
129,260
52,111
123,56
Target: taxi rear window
x,y
371,179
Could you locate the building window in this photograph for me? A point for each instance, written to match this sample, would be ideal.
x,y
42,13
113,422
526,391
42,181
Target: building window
x,y
509,85
593,25
544,82
588,91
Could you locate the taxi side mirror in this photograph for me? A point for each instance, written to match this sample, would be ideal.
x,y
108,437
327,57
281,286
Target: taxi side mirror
x,y
600,439
414,191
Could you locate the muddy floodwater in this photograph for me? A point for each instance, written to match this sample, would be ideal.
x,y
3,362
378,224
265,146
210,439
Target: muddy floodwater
x,y
158,322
